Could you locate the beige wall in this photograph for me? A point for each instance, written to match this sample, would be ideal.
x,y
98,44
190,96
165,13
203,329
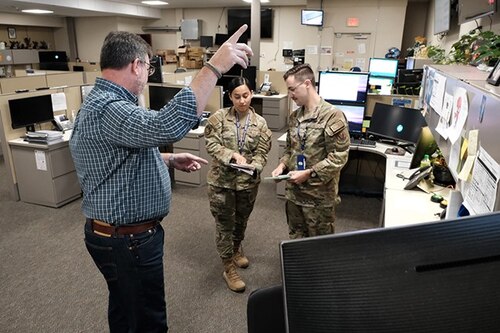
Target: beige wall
x,y
458,30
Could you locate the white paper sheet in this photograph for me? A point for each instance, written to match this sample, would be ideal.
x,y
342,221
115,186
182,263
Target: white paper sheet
x,y
459,114
59,102
480,196
40,160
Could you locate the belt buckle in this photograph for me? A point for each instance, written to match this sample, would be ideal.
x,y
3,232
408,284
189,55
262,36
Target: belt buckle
x,y
101,233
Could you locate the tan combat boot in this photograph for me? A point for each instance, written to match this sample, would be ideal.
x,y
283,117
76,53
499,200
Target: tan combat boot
x,y
233,280
239,258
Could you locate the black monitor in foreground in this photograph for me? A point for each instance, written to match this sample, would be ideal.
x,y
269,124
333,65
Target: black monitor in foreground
x,y
426,145
431,277
161,95
29,111
396,123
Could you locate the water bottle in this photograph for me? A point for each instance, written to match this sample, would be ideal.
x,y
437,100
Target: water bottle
x,y
425,161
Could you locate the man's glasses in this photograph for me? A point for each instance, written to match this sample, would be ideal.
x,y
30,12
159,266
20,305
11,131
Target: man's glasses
x,y
150,67
292,89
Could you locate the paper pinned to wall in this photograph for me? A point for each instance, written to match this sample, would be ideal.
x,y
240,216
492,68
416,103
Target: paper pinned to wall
x,y
40,160
480,196
459,114
59,102
472,146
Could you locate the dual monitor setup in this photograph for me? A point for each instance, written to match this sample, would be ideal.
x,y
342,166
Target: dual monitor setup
x,y
348,91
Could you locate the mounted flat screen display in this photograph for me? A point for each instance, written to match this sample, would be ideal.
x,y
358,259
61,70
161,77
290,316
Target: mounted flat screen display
x,y
470,10
441,16
312,17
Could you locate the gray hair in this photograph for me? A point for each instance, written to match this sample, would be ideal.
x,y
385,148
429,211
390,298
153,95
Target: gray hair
x,y
120,48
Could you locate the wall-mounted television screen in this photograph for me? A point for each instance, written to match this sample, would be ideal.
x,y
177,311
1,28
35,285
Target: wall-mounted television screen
x,y
237,17
441,16
343,87
470,10
29,111
312,17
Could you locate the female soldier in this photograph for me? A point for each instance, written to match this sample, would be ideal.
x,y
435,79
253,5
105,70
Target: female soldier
x,y
238,141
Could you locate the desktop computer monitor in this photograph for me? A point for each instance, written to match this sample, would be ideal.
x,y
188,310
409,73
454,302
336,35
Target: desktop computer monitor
x,y
385,67
381,85
396,123
343,87
429,277
355,115
426,145
161,95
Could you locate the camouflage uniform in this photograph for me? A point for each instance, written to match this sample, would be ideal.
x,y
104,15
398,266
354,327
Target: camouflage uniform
x,y
232,193
311,205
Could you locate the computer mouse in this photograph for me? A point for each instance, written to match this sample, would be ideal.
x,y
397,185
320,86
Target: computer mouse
x,y
395,150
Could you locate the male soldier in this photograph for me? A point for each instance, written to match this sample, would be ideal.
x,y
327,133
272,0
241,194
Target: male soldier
x,y
317,147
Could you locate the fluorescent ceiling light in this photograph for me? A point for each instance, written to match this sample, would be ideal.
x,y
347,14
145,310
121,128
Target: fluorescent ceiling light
x,y
261,1
37,11
155,2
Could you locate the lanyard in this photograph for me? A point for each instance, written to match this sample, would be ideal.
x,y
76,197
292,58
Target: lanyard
x,y
302,139
241,140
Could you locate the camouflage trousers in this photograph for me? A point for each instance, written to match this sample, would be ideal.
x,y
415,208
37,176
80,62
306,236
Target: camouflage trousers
x,y
231,210
306,221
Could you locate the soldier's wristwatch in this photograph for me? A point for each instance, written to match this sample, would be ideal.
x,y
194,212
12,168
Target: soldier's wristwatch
x,y
313,174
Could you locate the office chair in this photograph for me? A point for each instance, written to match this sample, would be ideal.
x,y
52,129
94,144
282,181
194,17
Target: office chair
x,y
265,311
180,70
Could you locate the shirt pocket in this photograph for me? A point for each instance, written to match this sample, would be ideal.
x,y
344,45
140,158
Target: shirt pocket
x,y
252,138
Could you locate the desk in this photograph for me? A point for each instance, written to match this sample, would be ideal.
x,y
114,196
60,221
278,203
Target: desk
x,y
53,184
401,207
194,143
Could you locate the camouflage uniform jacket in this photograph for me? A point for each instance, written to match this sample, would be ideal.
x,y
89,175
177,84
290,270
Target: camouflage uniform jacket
x,y
221,142
325,135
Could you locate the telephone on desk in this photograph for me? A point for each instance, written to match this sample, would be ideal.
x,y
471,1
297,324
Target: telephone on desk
x,y
62,123
417,176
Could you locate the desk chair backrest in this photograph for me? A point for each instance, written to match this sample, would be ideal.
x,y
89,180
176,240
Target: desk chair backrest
x,y
265,312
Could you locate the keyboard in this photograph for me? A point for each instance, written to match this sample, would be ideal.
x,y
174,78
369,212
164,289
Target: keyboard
x,y
363,142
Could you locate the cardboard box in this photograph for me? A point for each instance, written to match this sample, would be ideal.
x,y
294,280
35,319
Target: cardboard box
x,y
194,64
169,58
183,61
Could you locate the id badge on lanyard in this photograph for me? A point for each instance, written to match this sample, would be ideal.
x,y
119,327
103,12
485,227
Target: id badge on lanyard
x,y
301,159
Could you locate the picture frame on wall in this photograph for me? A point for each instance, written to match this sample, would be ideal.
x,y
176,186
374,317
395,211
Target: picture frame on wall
x,y
12,33
494,77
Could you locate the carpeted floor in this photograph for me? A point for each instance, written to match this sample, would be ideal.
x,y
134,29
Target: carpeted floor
x,y
49,283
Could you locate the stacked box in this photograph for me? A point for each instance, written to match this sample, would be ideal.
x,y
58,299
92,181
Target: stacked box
x,y
168,55
190,57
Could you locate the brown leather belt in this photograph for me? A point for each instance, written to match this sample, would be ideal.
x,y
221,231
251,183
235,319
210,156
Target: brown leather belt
x,y
105,229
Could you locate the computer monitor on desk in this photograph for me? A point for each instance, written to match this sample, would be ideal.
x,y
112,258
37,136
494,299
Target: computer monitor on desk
x,y
396,123
355,115
431,277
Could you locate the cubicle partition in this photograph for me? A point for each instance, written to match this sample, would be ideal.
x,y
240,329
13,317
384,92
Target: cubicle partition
x,y
7,133
483,101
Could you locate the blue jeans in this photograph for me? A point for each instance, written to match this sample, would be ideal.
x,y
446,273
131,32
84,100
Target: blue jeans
x,y
133,268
